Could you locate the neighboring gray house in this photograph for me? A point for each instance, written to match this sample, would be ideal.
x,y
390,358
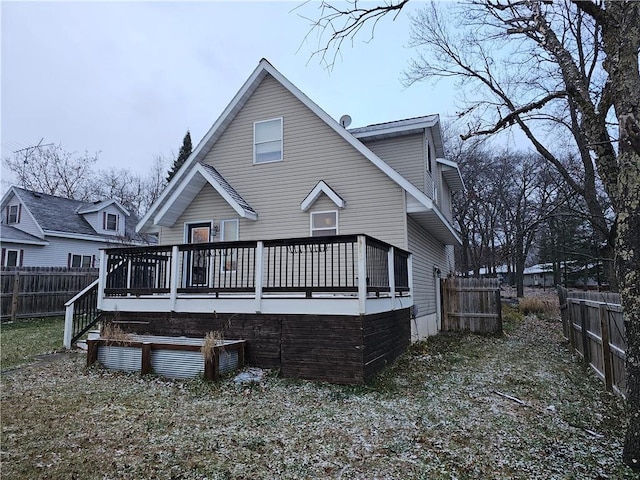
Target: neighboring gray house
x,y
40,230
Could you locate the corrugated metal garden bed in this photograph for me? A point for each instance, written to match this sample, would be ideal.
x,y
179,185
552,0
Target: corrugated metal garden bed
x,y
174,357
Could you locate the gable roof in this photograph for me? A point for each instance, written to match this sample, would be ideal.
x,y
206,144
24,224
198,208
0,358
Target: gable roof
x,y
100,205
61,215
320,188
407,126
191,184
13,235
263,69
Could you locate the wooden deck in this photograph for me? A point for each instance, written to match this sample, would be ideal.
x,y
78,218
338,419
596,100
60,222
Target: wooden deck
x,y
334,309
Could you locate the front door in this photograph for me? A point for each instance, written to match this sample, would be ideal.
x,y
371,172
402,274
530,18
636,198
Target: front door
x,y
198,261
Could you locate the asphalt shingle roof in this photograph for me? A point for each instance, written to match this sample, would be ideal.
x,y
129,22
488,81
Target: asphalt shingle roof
x,y
228,188
405,122
9,233
61,214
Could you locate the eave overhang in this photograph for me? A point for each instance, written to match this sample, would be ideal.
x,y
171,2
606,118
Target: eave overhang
x,y
184,193
432,220
451,174
319,189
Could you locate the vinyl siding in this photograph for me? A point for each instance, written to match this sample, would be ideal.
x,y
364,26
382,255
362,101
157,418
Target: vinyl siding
x,y
206,207
404,154
445,197
56,253
95,220
27,224
427,254
312,152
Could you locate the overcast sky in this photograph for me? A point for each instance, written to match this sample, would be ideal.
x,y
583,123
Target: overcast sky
x,y
128,79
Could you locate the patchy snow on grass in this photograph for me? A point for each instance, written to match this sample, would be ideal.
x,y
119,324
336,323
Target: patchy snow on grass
x,y
453,407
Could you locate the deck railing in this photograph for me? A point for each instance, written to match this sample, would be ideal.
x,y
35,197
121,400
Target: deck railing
x,y
81,314
356,266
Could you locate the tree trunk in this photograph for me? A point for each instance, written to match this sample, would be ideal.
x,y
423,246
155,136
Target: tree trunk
x,y
628,272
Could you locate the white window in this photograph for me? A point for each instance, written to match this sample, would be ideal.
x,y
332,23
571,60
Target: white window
x,y
111,222
324,224
77,261
12,214
267,141
11,258
230,233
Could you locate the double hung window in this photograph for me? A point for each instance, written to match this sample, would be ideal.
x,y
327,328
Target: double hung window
x,y
324,224
267,141
12,214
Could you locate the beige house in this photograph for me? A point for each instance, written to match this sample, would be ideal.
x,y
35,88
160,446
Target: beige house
x,y
283,213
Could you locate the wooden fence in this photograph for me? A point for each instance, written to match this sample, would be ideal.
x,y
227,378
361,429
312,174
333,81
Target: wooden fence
x,y
471,304
40,291
593,324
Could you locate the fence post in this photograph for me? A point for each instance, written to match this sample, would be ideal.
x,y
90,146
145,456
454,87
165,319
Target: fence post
x,y
499,308
444,292
14,296
585,337
606,349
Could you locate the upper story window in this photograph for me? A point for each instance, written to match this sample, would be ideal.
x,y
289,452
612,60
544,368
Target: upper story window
x,y
110,221
13,214
324,224
267,141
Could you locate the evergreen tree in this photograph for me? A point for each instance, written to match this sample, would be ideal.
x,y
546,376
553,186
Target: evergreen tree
x,y
185,151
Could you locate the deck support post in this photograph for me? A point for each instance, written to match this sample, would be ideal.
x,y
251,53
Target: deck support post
x,y
68,325
362,274
102,277
173,287
259,270
392,276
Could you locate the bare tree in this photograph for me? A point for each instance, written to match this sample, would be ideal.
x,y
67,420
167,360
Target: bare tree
x,y
589,49
54,171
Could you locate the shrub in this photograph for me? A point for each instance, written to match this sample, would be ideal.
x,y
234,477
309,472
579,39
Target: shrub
x,y
537,305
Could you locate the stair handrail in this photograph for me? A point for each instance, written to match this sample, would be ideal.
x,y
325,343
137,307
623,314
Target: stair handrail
x,y
69,335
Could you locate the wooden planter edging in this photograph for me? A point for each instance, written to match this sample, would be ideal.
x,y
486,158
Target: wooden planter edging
x,y
224,358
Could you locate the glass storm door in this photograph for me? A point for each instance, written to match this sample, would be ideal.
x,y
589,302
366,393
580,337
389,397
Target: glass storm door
x,y
198,260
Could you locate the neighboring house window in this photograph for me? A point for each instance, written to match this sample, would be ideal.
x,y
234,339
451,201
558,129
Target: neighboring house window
x,y
267,141
12,258
229,233
77,261
13,214
324,224
110,221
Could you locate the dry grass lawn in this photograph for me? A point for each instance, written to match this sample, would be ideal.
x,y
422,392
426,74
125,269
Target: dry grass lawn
x,y
435,414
